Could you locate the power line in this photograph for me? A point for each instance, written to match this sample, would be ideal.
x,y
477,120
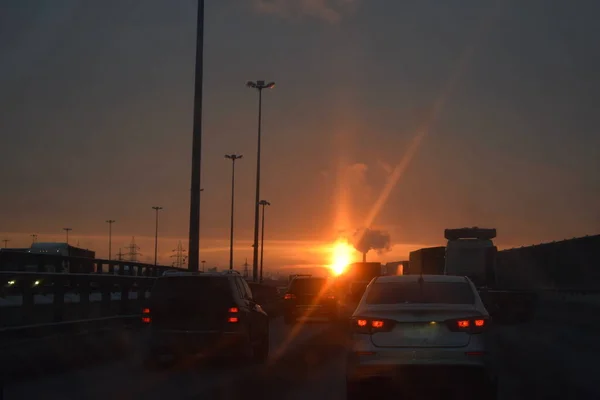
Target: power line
x,y
120,255
180,257
133,250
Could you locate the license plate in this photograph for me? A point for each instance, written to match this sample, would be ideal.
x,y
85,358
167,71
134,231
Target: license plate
x,y
418,331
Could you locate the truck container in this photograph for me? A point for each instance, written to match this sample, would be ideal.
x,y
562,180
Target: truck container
x,y
429,261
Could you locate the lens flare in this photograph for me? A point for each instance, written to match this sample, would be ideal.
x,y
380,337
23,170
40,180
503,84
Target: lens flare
x,y
341,256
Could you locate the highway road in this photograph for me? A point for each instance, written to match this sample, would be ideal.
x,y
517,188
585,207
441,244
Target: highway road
x,y
544,359
127,379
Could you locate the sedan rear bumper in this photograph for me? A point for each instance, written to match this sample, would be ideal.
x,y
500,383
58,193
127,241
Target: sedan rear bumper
x,y
367,364
435,374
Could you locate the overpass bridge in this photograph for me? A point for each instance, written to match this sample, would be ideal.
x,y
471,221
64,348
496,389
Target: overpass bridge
x,y
77,335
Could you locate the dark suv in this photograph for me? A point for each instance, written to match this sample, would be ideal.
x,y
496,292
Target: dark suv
x,y
208,314
309,296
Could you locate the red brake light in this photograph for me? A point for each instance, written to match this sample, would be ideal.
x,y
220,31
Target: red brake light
x,y
289,296
463,323
370,326
146,315
470,325
233,318
377,324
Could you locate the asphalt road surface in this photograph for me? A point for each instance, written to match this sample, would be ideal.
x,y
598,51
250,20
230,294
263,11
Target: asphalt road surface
x,y
545,359
127,379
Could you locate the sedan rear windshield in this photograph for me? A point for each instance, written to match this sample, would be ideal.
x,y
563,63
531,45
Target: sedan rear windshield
x,y
191,289
427,292
312,285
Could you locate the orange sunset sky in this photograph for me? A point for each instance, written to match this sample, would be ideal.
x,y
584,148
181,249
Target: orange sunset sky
x,y
405,117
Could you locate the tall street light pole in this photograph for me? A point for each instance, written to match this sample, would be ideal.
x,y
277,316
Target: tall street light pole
x,y
203,262
110,222
6,243
263,203
233,158
67,230
156,208
194,237
258,85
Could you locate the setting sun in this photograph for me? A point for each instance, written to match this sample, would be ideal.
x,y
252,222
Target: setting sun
x,y
341,256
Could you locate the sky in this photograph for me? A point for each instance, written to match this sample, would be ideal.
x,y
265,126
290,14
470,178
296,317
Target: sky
x,y
406,116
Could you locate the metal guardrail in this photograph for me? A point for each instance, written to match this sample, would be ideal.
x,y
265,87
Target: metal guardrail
x,y
28,285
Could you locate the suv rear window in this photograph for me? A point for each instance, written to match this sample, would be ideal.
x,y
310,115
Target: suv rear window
x,y
428,292
308,285
196,289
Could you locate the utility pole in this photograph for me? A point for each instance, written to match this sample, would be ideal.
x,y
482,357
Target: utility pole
x,y
120,255
233,158
156,235
246,268
34,238
133,250
67,231
258,85
194,237
203,262
110,222
6,243
263,203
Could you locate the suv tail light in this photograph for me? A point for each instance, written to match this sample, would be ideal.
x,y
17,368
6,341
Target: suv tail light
x,y
233,315
471,325
146,315
371,325
289,296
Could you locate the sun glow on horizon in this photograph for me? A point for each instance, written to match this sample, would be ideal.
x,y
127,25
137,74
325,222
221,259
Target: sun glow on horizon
x,y
341,256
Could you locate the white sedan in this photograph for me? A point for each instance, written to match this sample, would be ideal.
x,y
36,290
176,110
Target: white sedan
x,y
424,331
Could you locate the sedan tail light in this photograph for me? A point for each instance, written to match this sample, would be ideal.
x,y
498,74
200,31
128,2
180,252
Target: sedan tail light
x,y
471,325
289,296
370,326
146,315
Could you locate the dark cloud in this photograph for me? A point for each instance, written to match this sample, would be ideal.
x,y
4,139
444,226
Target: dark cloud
x,y
371,239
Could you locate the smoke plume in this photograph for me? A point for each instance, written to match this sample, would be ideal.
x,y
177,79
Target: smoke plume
x,y
371,239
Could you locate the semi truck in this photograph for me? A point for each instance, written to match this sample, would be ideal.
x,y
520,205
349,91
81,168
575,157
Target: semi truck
x,y
471,252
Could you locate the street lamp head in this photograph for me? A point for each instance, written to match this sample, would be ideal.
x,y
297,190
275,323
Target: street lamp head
x,y
233,157
260,85
157,208
264,203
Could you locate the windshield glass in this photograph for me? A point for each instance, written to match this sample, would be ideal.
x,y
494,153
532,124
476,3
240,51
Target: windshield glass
x,y
413,292
184,289
314,285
